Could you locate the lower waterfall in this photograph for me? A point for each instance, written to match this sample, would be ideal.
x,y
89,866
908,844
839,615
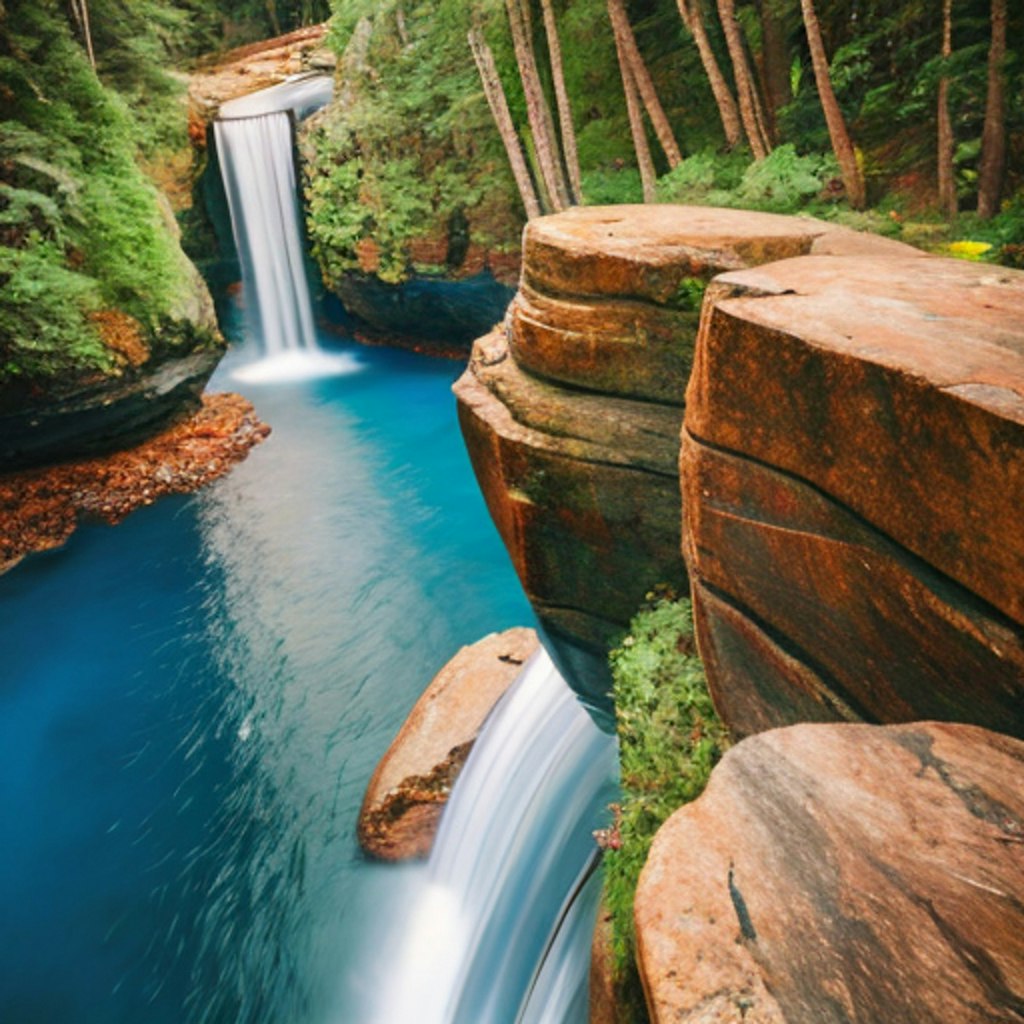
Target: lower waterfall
x,y
491,931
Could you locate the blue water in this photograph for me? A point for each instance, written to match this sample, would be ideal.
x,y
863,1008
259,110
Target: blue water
x,y
191,704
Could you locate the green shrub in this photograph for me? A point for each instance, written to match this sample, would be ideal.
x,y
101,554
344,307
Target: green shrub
x,y
81,227
669,740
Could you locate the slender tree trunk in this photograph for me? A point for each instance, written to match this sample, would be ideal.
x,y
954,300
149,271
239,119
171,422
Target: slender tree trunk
x,y
774,64
689,11
947,187
503,119
568,133
403,32
993,136
272,14
636,125
80,9
642,80
853,180
750,115
537,112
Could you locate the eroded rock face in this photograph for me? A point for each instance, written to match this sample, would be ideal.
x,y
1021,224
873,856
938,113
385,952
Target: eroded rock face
x,y
408,791
853,474
571,410
838,874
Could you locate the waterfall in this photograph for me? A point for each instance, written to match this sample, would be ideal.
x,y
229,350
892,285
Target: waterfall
x,y
481,939
255,145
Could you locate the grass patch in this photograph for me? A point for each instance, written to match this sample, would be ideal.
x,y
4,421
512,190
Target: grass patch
x,y
670,738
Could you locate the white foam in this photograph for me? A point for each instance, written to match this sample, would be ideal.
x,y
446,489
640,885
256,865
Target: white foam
x,y
297,365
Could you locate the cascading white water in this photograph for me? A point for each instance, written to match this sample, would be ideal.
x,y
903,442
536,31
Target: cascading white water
x,y
259,177
481,939
254,140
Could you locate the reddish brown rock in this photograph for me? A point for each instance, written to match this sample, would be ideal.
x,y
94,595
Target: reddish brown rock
x,y
571,410
405,796
842,874
40,508
226,76
853,473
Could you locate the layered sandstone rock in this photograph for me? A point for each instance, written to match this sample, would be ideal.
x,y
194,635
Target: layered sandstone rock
x,y
853,472
571,410
408,791
839,874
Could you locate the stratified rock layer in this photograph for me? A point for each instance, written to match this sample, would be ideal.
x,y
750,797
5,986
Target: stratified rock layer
x,y
408,791
853,475
842,874
571,410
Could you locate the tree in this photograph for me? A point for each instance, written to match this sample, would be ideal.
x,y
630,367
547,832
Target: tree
x,y
690,12
503,119
774,63
80,10
947,187
636,122
643,84
537,111
751,113
569,151
993,136
853,180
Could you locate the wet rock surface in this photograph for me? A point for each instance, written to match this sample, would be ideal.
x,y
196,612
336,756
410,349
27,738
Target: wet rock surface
x,y
40,508
408,790
108,413
572,409
853,474
842,873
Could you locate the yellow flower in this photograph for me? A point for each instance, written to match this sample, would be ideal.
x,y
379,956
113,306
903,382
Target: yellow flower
x,y
968,250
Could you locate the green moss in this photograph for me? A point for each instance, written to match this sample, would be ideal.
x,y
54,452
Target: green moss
x,y
81,227
669,740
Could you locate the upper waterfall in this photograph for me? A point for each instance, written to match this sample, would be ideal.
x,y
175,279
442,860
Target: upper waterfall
x,y
254,137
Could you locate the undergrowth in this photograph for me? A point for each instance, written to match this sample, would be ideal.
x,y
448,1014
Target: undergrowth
x,y
669,740
81,228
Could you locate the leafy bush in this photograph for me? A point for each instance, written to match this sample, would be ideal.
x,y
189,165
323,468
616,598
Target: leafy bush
x,y
785,181
81,228
669,740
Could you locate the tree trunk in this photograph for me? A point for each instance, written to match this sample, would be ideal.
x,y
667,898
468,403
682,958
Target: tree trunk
x,y
642,80
750,115
689,11
774,64
80,9
853,180
993,136
537,108
947,187
569,151
636,124
503,119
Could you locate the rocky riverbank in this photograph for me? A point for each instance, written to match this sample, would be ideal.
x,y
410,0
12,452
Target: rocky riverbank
x,y
41,507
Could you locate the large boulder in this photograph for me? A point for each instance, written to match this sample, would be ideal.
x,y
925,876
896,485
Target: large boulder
x,y
853,473
404,798
571,409
842,874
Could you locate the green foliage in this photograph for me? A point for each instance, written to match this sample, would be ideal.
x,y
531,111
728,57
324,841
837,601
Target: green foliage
x,y
81,228
669,740
608,186
784,182
409,144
